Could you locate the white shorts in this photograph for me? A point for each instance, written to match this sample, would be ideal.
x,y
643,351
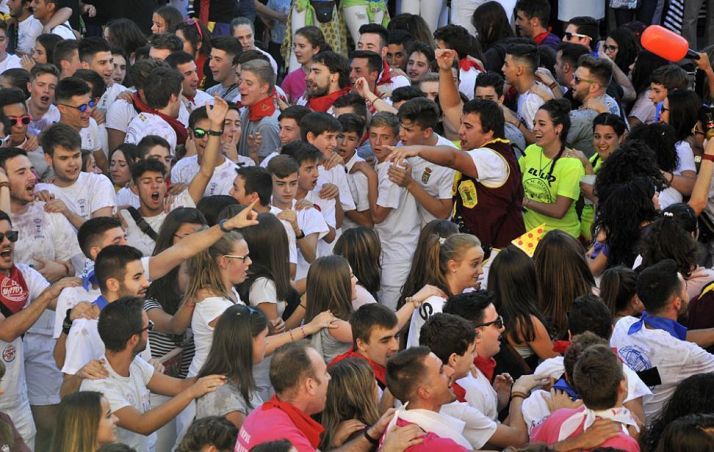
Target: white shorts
x,y
43,377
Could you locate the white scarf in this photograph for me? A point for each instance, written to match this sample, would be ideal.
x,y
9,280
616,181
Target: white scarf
x,y
620,415
432,422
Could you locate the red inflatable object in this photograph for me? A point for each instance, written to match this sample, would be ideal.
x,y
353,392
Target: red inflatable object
x,y
666,44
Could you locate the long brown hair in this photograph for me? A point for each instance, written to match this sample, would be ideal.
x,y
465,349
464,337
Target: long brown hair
x,y
329,286
204,270
362,249
78,422
350,395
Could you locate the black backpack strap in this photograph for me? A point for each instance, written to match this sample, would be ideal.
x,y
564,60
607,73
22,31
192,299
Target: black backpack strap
x,y
141,222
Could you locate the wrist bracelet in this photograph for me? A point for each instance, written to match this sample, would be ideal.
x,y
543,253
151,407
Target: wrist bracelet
x,y
709,157
215,133
370,439
302,328
516,394
221,224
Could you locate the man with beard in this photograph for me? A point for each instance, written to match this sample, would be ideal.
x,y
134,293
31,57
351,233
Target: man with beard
x,y
123,328
149,176
24,298
328,79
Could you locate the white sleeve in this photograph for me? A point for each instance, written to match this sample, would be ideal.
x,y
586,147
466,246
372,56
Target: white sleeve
x,y
79,349
116,399
312,222
262,291
212,309
64,302
390,194
345,194
118,116
102,193
535,408
183,199
686,158
292,242
478,429
530,107
360,181
146,266
36,283
492,168
635,386
146,369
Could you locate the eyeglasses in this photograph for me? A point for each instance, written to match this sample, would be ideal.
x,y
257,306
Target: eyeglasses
x,y
82,108
148,327
12,236
20,120
199,133
569,35
233,256
608,48
498,323
578,80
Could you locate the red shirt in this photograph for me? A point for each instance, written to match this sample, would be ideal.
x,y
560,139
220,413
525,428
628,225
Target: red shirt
x,y
433,442
270,425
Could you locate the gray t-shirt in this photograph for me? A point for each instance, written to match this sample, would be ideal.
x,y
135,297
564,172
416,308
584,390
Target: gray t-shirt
x,y
224,400
269,130
580,135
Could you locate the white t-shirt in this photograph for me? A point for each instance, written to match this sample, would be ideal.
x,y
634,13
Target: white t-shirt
x,y
149,124
385,90
436,180
263,291
493,169
292,242
119,115
91,136
84,344
467,82
535,407
221,182
670,195
327,207
27,32
430,306
358,185
399,232
199,100
674,359
64,31
480,394
10,62
478,428
528,105
122,392
38,125
205,312
14,400
336,175
88,194
310,221
69,298
126,197
110,95
136,238
267,159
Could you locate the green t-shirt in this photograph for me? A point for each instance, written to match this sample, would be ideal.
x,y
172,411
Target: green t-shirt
x,y
564,181
588,214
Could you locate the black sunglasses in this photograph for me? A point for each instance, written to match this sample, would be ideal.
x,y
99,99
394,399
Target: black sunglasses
x,y
11,236
148,327
498,323
199,133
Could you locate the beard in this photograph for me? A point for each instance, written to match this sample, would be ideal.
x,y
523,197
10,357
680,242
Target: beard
x,y
314,90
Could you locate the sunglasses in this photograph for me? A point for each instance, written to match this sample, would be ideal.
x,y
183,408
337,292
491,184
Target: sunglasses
x,y
148,327
570,35
84,107
578,80
11,236
199,133
20,120
663,109
498,323
243,308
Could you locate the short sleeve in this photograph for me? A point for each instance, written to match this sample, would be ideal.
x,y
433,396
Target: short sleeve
x,y
345,194
479,428
492,168
103,194
390,194
118,116
313,222
361,183
145,369
79,349
686,158
116,399
262,291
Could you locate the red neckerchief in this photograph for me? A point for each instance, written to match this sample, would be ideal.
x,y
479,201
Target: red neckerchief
x,y
13,291
323,103
541,37
307,425
466,64
459,392
262,109
380,372
181,132
487,366
560,347
386,76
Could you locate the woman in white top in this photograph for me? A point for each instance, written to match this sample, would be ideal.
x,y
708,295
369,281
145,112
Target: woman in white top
x,y
361,247
459,266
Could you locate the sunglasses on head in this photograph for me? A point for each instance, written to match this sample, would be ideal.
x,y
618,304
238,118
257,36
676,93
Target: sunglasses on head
x,y
84,107
20,120
11,236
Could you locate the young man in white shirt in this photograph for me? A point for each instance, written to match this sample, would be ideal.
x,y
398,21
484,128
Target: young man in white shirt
x,y
347,142
307,223
27,297
45,10
430,184
28,27
149,176
394,212
123,328
224,50
7,60
43,82
243,30
95,54
191,96
200,129
519,71
77,195
163,96
655,344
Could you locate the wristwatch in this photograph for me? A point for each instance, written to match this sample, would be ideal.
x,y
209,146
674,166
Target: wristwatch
x,y
67,322
215,133
221,224
301,236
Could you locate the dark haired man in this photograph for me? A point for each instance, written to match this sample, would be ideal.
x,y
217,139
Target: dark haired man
x,y
327,80
191,96
519,69
374,38
532,17
27,27
95,54
224,50
457,38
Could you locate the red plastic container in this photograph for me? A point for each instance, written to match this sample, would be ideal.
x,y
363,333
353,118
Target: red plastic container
x,y
666,44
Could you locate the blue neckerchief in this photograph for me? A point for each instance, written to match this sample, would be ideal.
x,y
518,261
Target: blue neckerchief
x,y
562,385
672,327
88,280
101,302
658,110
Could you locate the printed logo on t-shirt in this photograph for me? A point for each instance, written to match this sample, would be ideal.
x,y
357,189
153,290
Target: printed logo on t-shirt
x,y
82,203
9,354
469,196
426,175
537,187
38,228
11,291
635,357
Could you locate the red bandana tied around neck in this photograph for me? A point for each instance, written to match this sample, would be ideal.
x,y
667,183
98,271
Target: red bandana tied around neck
x,y
323,103
262,109
487,366
459,392
181,132
561,347
307,425
386,75
466,64
13,291
380,372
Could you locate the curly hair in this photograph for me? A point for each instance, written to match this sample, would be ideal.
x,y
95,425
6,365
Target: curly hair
x,y
667,239
632,159
661,138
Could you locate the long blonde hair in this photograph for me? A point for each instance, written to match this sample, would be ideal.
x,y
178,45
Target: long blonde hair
x,y
78,422
204,271
329,286
350,395
453,248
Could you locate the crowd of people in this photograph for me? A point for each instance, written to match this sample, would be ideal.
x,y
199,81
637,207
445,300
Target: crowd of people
x,y
240,225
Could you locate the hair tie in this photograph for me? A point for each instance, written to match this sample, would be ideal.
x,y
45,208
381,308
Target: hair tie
x,y
668,214
441,240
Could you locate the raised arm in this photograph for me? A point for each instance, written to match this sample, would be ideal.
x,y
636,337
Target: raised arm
x,y
217,115
440,155
449,98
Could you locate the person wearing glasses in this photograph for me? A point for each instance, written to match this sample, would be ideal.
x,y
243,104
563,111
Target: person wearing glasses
x,y
124,328
484,390
582,30
28,296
